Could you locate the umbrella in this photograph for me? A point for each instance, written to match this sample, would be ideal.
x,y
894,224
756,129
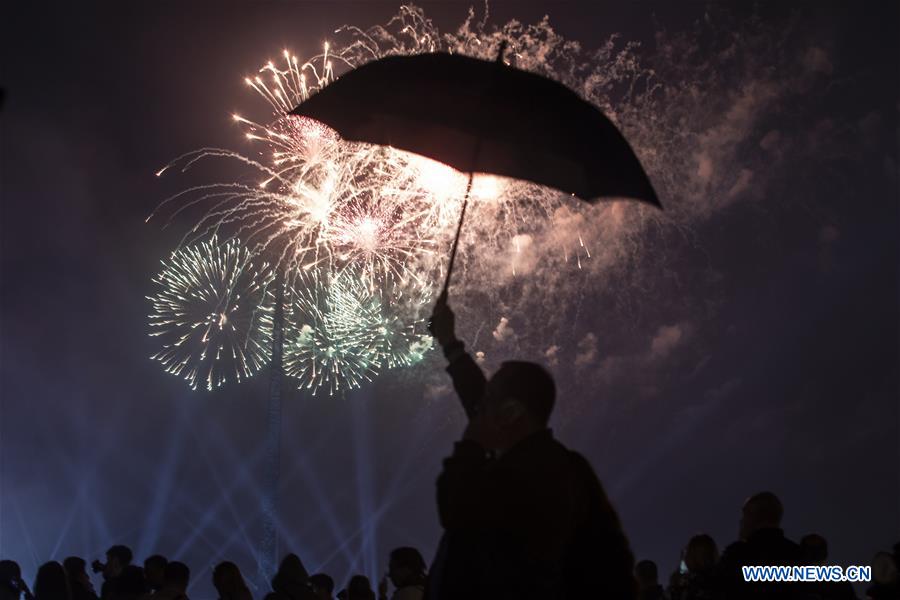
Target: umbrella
x,y
485,117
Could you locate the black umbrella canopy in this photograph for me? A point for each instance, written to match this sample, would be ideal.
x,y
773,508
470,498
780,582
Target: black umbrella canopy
x,y
484,117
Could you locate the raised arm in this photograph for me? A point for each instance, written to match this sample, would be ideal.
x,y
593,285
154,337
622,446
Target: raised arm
x,y
468,379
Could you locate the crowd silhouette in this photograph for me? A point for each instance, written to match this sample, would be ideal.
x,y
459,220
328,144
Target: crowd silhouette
x,y
524,518
702,575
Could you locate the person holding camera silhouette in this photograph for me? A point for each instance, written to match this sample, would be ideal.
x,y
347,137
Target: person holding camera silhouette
x,y
117,558
12,586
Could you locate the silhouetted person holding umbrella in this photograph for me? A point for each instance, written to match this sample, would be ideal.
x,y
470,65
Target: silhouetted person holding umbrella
x,y
523,516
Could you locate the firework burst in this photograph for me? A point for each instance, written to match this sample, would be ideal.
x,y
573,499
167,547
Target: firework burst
x,y
213,313
402,332
317,200
337,211
342,332
311,202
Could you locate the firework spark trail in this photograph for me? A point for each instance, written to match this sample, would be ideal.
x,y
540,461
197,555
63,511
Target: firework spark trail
x,y
527,249
342,332
311,173
212,312
334,341
328,210
402,333
320,199
324,209
316,202
326,206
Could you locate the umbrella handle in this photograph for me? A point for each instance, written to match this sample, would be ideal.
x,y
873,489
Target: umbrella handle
x,y
462,216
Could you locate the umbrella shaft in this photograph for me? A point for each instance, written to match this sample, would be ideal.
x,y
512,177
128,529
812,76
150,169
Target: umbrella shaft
x,y
462,216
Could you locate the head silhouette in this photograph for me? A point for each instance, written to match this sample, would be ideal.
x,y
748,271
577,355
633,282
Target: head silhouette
x,y
51,582
291,576
518,401
322,585
228,581
701,553
360,588
76,571
117,558
761,511
884,569
646,573
9,569
406,567
814,549
10,574
177,576
155,571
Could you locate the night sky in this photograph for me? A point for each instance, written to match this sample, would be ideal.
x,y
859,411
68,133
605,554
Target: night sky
x,y
750,343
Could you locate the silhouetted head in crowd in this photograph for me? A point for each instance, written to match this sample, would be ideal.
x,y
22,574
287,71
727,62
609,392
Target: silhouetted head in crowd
x,y
406,567
761,511
229,582
130,585
291,578
76,571
322,586
360,588
884,569
177,576
701,553
813,549
51,582
155,571
10,579
117,558
9,569
518,402
647,575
